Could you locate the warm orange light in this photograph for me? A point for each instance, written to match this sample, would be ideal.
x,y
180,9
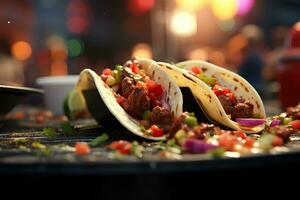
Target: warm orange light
x,y
142,50
184,23
192,5
21,50
224,9
59,68
197,54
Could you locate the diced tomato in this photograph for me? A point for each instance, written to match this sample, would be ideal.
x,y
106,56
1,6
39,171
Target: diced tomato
x,y
134,68
107,71
122,146
196,70
156,89
277,141
218,90
120,99
240,134
227,141
295,124
156,131
82,148
19,115
248,142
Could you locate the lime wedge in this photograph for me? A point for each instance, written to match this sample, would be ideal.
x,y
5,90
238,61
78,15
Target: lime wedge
x,y
74,104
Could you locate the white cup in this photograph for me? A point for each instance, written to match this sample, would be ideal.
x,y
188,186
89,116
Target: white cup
x,y
55,90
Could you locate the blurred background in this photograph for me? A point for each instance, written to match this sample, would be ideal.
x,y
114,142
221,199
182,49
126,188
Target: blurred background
x,y
254,38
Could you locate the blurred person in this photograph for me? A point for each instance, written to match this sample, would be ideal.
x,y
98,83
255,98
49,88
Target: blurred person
x,y
270,69
251,58
234,50
11,70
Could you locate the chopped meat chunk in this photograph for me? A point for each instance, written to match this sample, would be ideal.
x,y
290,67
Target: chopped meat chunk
x,y
127,86
227,104
294,112
160,115
242,110
179,121
137,102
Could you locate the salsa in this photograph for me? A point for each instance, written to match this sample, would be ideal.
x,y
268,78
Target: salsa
x,y
141,97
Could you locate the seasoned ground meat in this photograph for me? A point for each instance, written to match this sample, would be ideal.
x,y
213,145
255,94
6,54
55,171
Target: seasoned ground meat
x,y
294,112
137,102
227,104
127,86
282,131
179,121
201,131
160,116
242,110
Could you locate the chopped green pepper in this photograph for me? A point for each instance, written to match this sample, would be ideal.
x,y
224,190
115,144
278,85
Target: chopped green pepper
x,y
191,121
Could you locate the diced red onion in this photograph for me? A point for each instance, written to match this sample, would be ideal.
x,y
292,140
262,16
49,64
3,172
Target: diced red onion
x,y
250,122
197,146
275,122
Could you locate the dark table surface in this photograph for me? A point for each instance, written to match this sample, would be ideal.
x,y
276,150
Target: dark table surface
x,y
96,176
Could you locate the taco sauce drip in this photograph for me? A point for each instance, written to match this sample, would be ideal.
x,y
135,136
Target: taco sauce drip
x,y
141,97
236,108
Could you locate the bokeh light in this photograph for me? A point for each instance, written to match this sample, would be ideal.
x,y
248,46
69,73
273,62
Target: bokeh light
x,y
59,67
142,50
192,5
21,50
75,47
77,24
224,9
244,6
139,7
184,23
226,25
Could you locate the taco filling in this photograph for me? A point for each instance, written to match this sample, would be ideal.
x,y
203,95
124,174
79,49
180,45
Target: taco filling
x,y
142,98
234,107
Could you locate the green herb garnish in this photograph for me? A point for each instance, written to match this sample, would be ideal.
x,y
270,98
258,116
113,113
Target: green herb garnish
x,y
67,128
137,149
50,132
99,140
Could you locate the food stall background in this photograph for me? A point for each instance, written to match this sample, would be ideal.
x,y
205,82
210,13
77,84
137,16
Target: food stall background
x,y
52,37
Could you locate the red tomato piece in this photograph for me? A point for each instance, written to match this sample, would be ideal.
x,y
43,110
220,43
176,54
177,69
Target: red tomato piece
x,y
196,70
19,115
82,148
248,142
134,68
277,141
106,71
240,134
120,99
156,131
227,141
122,146
157,90
295,124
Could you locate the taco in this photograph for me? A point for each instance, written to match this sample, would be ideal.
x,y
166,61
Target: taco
x,y
139,94
225,97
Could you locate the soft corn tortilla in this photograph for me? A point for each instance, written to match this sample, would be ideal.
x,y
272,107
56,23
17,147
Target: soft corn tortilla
x,y
206,98
90,80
